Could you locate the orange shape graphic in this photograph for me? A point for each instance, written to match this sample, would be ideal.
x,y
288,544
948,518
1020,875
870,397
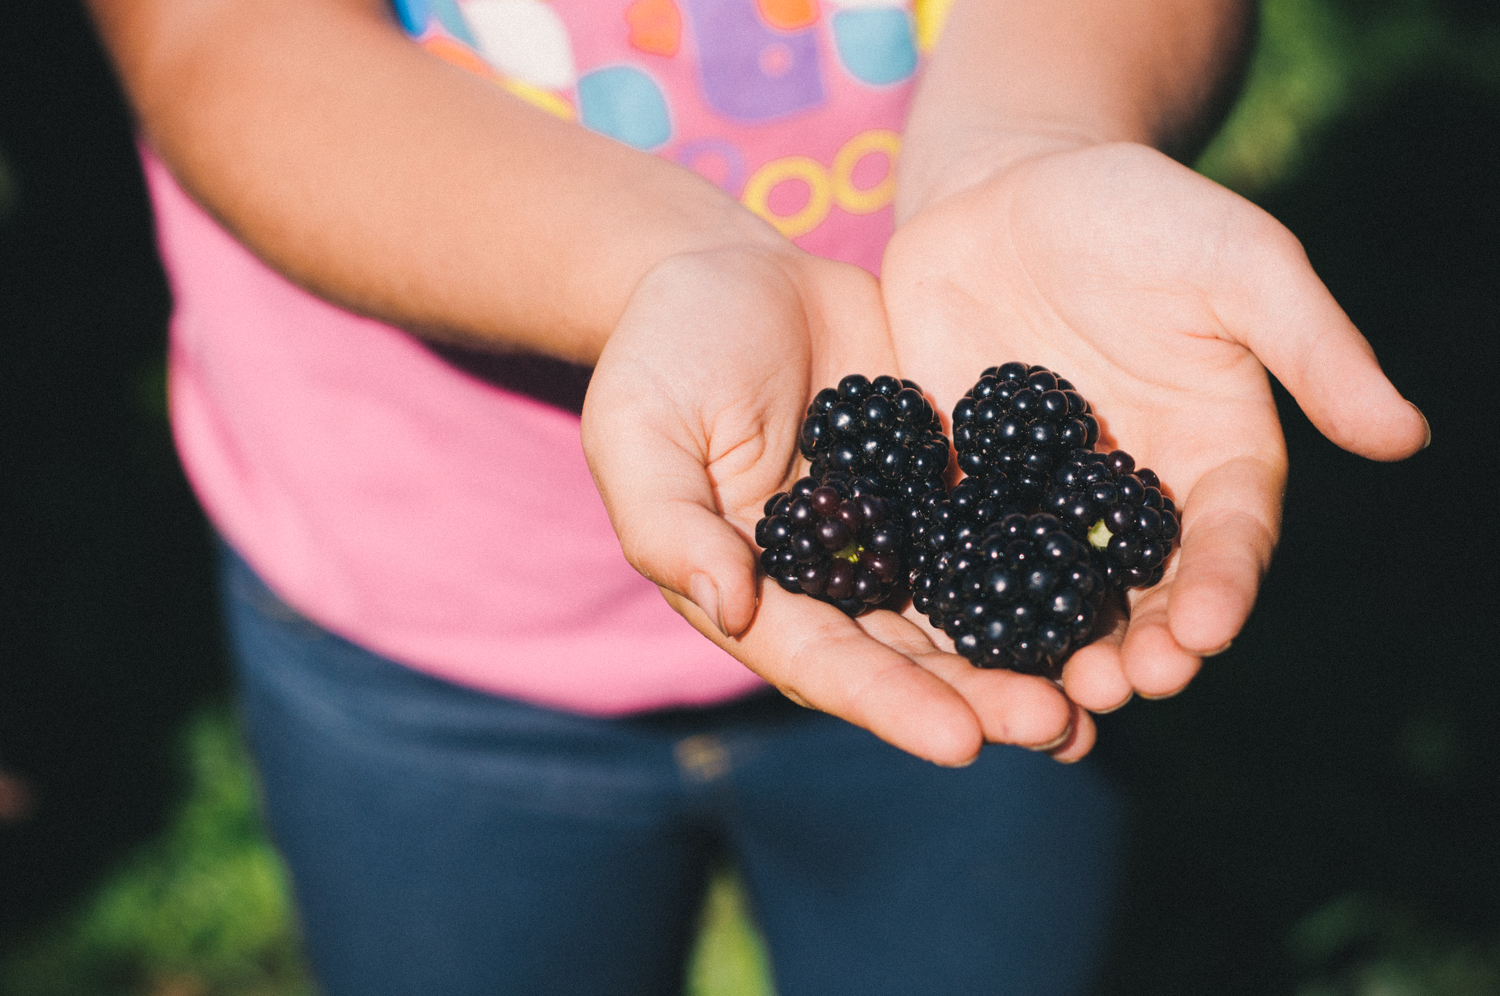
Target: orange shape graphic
x,y
459,54
788,15
655,26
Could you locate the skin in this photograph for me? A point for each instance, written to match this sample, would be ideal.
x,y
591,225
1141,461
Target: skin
x,y
1038,221
391,183
710,370
1183,390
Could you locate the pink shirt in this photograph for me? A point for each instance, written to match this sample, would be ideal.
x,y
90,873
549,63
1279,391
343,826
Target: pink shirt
x,y
445,521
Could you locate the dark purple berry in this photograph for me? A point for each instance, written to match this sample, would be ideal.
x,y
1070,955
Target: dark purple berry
x,y
805,547
1131,529
840,580
834,533
1020,421
813,577
836,542
883,431
1120,463
1024,597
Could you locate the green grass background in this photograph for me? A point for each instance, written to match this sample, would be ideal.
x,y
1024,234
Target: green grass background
x,y
203,908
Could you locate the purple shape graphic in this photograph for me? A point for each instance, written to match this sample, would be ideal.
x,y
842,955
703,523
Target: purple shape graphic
x,y
705,154
749,70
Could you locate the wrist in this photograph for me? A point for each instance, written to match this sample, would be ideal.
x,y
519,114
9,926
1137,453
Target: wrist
x,y
967,157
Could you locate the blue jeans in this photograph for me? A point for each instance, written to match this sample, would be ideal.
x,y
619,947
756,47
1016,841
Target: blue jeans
x,y
446,842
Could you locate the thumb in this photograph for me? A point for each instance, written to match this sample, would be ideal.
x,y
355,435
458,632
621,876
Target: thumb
x,y
668,520
1281,311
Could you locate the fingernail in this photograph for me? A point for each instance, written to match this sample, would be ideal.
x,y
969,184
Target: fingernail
x,y
957,764
1062,738
1219,649
1425,425
1163,695
1117,706
705,595
791,693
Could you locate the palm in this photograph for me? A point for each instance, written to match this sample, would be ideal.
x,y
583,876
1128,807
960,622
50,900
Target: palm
x,y
691,424
1154,291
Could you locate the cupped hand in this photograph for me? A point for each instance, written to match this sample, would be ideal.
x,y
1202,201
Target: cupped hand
x,y
691,423
1163,297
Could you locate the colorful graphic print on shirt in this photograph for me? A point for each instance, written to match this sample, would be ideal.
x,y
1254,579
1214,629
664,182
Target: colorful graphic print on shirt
x,y
794,107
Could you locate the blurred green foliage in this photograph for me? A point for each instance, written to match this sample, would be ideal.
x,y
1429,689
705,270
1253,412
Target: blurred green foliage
x,y
1363,945
730,958
201,910
1316,60
204,910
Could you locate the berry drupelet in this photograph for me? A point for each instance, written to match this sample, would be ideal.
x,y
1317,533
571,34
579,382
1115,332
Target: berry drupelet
x,y
835,539
882,430
951,521
1120,511
1023,596
1021,421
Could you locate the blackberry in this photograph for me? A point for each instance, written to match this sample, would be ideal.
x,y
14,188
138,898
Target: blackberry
x,y
1120,511
1023,596
882,430
1021,421
835,539
951,521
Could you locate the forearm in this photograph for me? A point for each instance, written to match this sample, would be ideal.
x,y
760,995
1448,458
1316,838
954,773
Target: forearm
x,y
392,183
1013,77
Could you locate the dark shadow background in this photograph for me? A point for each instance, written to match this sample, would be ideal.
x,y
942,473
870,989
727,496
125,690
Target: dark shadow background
x,y
107,635
1345,745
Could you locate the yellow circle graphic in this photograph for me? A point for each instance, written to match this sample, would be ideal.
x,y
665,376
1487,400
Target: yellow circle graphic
x,y
819,196
850,197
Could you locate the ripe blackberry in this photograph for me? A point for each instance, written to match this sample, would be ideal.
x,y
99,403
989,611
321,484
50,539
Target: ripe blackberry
x,y
882,430
835,539
1024,596
1022,421
1120,511
951,521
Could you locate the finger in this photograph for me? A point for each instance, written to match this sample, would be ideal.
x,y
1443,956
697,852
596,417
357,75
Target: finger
x,y
1155,664
1094,676
1231,520
1080,740
819,657
1280,309
668,521
1012,708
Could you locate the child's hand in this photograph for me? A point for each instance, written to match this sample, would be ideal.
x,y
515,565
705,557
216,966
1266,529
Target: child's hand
x,y
1159,294
691,423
